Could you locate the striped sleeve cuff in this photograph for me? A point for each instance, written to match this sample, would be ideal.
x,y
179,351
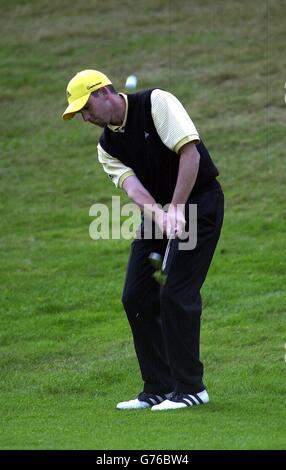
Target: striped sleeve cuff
x,y
190,138
124,176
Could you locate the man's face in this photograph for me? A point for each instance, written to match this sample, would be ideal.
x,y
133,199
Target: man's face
x,y
97,109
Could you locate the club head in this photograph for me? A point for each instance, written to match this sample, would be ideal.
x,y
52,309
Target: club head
x,y
160,277
156,260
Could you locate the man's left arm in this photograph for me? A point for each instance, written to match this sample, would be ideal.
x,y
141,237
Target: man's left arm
x,y
187,174
178,132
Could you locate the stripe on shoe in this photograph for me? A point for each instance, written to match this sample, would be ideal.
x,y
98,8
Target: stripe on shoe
x,y
199,399
150,398
191,400
154,401
160,398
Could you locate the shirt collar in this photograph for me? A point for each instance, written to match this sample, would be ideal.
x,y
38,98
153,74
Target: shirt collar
x,y
122,127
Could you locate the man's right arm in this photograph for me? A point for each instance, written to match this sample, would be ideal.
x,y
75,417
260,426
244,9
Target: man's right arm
x,y
124,177
142,198
113,167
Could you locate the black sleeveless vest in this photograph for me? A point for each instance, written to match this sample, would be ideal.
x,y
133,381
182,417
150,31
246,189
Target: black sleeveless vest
x,y
140,148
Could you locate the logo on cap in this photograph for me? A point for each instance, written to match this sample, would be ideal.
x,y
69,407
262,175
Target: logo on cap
x,y
91,86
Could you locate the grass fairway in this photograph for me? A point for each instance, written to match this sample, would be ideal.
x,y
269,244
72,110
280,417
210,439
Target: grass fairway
x,y
66,350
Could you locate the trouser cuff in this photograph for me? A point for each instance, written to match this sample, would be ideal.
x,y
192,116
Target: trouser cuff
x,y
189,388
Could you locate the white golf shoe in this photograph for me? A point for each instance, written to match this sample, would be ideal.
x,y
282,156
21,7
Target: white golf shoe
x,y
144,400
182,400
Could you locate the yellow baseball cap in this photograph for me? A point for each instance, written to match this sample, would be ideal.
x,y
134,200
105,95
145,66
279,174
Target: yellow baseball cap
x,y
80,88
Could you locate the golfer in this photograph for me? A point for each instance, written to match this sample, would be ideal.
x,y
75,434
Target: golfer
x,y
151,149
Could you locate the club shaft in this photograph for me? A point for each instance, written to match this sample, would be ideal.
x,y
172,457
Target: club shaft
x,y
167,251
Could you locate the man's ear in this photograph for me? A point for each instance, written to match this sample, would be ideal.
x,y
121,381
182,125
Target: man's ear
x,y
104,91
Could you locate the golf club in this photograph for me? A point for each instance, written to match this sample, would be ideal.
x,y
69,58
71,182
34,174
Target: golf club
x,y
159,265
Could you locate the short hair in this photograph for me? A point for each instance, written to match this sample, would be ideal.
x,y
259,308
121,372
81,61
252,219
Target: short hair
x,y
110,87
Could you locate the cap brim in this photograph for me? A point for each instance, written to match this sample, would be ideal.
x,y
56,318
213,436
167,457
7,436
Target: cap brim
x,y
74,107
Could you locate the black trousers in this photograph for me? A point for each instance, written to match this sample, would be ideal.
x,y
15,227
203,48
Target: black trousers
x,y
165,320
